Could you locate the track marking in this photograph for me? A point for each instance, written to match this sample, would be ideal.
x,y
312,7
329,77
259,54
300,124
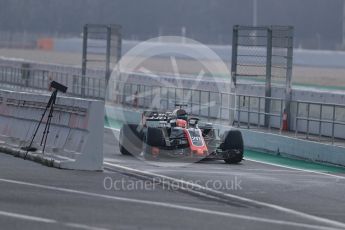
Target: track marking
x,y
241,171
112,160
81,226
164,205
114,129
26,217
189,185
47,221
298,169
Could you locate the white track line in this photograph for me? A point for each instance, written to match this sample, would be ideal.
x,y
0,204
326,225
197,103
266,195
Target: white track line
x,y
268,205
170,205
298,169
114,129
26,217
47,221
239,172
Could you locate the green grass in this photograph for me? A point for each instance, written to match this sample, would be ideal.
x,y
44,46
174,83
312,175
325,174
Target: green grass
x,y
112,123
284,161
319,86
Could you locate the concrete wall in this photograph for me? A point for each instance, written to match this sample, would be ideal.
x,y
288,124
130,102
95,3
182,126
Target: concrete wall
x,y
76,132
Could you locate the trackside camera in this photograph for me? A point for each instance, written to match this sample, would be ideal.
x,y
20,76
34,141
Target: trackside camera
x,y
58,86
50,106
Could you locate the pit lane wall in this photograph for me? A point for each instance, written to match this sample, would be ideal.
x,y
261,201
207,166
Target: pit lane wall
x,y
261,141
75,139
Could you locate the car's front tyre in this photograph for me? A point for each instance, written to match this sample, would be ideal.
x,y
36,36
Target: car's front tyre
x,y
233,144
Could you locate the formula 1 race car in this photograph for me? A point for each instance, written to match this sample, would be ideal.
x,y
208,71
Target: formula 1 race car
x,y
174,136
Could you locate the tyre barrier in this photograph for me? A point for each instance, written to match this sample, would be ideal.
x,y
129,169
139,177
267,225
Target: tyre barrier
x,y
75,140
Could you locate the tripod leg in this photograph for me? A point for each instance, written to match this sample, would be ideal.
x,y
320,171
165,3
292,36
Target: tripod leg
x,y
45,128
35,133
48,127
50,102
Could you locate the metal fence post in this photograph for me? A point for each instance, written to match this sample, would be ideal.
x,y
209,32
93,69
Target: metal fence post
x,y
152,96
238,111
333,121
268,77
84,60
107,58
259,113
25,74
160,96
308,120
199,102
249,112
320,122
288,91
175,96
296,119
167,97
281,117
191,102
233,74
234,54
209,108
221,106
231,112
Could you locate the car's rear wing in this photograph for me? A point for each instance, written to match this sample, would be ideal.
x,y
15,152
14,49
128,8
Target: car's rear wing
x,y
154,115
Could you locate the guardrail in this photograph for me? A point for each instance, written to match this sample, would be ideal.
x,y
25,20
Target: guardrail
x,y
241,110
335,118
307,119
26,76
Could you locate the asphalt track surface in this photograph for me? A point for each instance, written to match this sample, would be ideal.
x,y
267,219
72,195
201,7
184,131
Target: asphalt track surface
x,y
261,196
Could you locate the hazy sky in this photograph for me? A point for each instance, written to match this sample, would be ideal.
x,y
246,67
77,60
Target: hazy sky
x,y
316,22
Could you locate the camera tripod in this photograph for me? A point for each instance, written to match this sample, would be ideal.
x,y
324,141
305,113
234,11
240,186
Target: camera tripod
x,y
50,107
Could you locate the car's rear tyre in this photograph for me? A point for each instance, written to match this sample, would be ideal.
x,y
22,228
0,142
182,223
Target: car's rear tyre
x,y
154,138
233,143
130,139
124,151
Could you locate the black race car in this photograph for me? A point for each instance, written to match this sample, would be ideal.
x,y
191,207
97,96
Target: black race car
x,y
174,136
